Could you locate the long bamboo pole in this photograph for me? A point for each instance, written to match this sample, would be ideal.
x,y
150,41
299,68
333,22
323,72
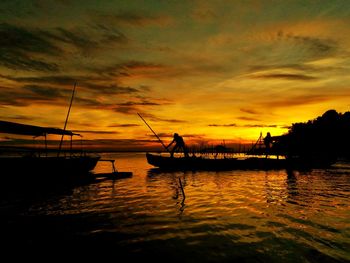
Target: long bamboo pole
x,y
153,132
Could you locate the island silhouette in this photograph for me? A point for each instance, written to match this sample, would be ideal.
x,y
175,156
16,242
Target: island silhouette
x,y
325,137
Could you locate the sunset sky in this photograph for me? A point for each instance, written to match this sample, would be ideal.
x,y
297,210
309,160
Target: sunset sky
x,y
209,70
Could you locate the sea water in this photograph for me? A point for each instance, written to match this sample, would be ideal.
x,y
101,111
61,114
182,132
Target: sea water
x,y
226,216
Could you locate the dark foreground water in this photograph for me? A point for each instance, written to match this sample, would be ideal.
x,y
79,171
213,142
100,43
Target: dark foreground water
x,y
243,216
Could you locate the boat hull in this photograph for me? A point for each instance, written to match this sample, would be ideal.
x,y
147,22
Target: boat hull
x,y
249,163
46,169
198,163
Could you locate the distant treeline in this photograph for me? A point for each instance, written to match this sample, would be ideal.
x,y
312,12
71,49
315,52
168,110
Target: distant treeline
x,y
326,136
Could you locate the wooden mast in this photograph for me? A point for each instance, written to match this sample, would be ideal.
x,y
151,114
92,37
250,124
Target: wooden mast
x,y
65,124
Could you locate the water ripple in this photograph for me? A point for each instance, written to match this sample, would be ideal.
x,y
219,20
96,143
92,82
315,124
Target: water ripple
x,y
257,216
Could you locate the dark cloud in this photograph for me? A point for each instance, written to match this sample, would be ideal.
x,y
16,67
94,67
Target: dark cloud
x,y
141,103
21,48
48,79
134,68
145,88
155,118
19,118
126,125
260,126
157,71
89,102
91,83
223,125
285,76
75,38
313,47
18,39
12,98
171,135
153,70
29,94
108,88
46,92
135,107
244,118
162,135
58,95
168,120
33,49
302,67
19,61
95,132
194,136
317,46
129,19
133,64
109,34
290,54
244,125
249,111
128,110
128,67
86,39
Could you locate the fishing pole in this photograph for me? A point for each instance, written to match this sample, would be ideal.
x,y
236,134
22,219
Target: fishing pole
x,y
153,132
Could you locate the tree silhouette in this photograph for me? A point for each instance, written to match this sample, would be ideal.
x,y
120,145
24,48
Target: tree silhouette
x,y
326,136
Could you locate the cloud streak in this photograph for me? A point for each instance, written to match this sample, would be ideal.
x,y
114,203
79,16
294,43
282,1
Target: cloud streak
x,y
223,125
135,19
286,76
245,125
21,49
125,125
32,49
95,132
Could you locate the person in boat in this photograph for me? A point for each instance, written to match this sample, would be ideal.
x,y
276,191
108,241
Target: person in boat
x,y
179,145
267,142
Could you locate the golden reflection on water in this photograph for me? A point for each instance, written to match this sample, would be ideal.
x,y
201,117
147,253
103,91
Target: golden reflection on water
x,y
278,215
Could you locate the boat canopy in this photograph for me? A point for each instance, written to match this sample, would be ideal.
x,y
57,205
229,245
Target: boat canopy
x,y
24,129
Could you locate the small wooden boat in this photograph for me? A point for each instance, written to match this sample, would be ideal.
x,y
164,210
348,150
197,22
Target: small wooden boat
x,y
43,166
247,163
201,163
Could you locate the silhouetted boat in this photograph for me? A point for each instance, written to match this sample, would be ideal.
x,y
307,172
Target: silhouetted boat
x,y
29,166
217,164
202,163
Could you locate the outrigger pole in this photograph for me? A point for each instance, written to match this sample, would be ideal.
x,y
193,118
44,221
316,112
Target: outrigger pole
x,y
153,132
65,124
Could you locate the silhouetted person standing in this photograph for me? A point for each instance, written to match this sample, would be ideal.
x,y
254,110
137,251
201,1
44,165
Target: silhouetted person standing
x,y
267,142
179,145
